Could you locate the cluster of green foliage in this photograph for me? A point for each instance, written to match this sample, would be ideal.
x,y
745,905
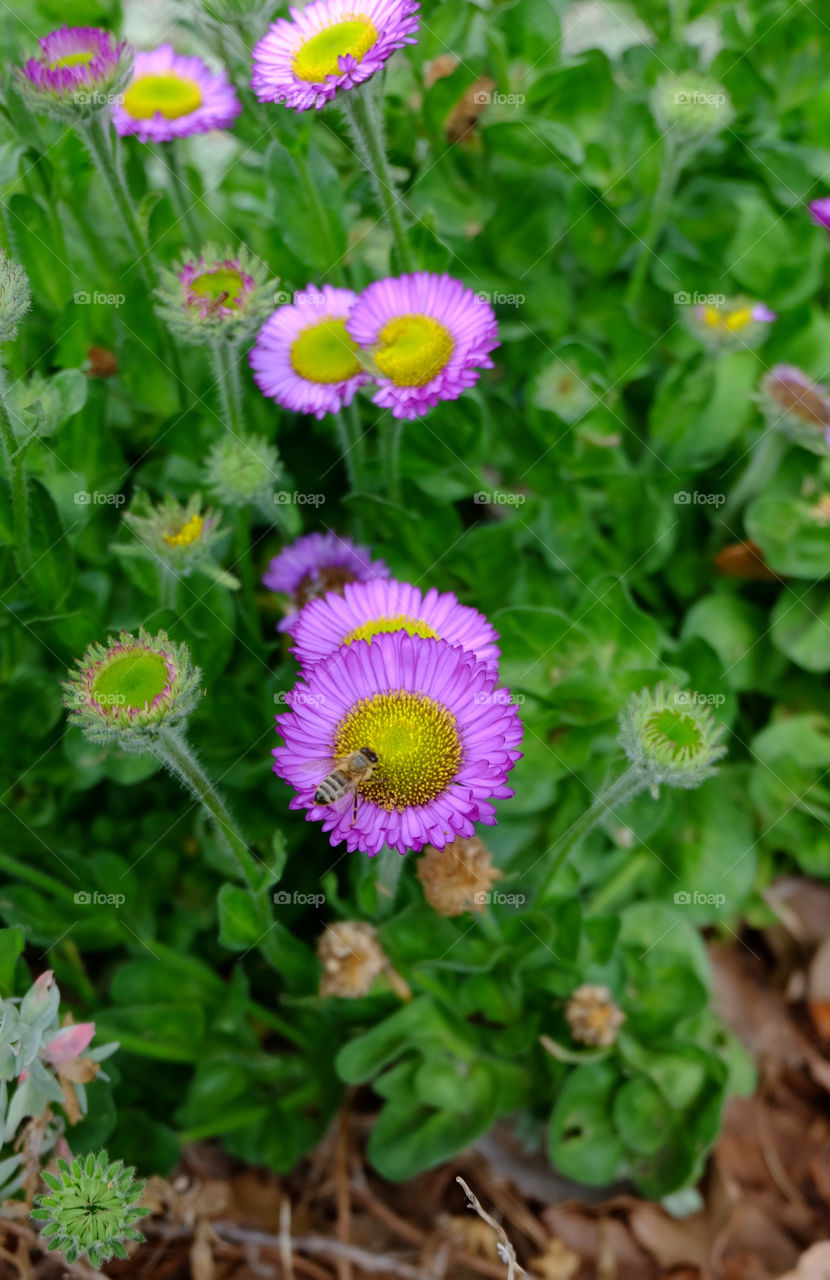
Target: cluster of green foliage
x,y
599,582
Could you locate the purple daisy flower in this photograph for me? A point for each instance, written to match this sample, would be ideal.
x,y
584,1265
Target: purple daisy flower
x,y
329,45
316,564
820,209
303,357
797,406
172,95
80,72
428,335
366,610
444,739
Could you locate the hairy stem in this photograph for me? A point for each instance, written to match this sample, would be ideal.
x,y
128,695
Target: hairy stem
x,y
366,124
614,796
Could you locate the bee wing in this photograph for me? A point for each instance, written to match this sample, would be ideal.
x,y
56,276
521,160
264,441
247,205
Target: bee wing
x,y
318,769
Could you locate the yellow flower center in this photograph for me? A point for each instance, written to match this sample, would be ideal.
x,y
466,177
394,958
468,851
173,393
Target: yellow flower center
x,y
413,349
416,742
397,622
320,56
211,285
190,532
731,322
132,680
170,94
324,352
81,59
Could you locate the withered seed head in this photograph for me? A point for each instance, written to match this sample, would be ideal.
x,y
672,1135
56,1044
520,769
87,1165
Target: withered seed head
x,y
593,1017
458,877
351,959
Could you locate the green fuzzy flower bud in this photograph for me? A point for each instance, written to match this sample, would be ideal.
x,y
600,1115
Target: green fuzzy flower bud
x,y
124,693
217,297
78,73
691,105
671,737
242,469
15,296
177,538
91,1209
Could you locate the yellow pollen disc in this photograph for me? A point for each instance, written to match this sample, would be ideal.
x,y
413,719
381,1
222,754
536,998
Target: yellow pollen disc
x,y
732,321
416,742
81,59
170,94
397,622
413,349
324,352
320,56
210,286
190,532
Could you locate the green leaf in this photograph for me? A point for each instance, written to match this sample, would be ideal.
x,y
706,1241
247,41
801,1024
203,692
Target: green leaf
x,y
582,1143
641,1115
241,919
11,945
50,574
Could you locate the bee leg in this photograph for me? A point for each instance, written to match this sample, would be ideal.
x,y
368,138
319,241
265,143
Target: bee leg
x,y
354,812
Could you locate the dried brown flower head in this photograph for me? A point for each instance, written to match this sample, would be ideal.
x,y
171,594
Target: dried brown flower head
x,y
459,877
351,957
593,1017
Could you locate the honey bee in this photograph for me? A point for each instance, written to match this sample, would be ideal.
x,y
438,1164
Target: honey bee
x,y
349,775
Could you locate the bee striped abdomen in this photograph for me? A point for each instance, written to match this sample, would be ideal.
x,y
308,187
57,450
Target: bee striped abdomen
x,y
332,787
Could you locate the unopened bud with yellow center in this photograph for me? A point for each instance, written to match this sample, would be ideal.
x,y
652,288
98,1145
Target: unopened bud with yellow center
x,y
178,538
670,737
593,1017
459,877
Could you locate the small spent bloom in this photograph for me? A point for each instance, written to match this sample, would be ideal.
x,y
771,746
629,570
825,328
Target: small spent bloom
x,y
691,106
368,609
15,296
797,407
736,323
90,1209
670,737
425,338
79,71
316,564
241,469
179,537
443,738
217,295
173,95
458,877
563,389
327,46
125,691
304,358
820,211
352,959
593,1017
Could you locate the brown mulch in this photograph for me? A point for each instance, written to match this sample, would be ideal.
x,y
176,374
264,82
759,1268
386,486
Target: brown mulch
x,y
765,1200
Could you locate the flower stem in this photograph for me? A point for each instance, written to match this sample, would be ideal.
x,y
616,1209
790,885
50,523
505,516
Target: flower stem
x,y
226,372
98,141
390,444
246,572
762,466
613,796
390,866
174,752
180,190
364,115
17,478
667,182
